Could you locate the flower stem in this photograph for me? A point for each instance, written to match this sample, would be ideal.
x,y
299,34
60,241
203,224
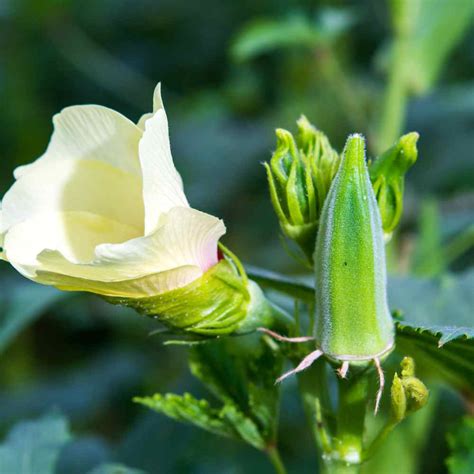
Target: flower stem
x,y
275,459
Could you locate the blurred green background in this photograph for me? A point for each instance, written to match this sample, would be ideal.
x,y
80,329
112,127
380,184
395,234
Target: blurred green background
x,y
231,73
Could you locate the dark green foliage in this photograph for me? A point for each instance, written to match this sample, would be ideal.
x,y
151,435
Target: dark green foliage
x,y
241,374
461,442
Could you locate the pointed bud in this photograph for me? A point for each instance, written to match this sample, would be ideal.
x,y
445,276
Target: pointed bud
x,y
353,321
398,399
222,301
387,174
408,367
299,175
408,393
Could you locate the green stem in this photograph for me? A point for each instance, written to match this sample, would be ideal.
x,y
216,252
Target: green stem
x,y
379,439
316,403
275,459
337,467
353,395
395,98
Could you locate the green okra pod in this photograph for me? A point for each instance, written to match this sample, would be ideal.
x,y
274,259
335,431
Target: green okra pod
x,y
353,321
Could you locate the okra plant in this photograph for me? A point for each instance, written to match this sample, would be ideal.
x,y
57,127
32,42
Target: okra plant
x,y
157,255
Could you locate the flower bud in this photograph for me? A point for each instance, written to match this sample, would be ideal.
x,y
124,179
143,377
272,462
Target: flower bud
x,y
387,174
398,399
299,176
408,393
353,322
222,301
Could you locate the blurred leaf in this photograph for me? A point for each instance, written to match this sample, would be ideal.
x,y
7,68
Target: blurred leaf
x,y
461,442
441,307
264,35
438,329
436,27
82,393
290,286
32,447
115,469
428,259
21,305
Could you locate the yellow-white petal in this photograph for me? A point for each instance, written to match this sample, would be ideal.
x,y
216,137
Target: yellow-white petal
x,y
181,249
157,104
75,185
92,132
162,184
133,288
75,235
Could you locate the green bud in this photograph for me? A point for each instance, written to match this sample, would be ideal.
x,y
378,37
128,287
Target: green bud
x,y
398,399
387,174
408,393
220,302
299,176
408,367
416,392
353,322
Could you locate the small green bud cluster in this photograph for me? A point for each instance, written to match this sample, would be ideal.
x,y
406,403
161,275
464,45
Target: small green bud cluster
x,y
387,174
300,173
408,393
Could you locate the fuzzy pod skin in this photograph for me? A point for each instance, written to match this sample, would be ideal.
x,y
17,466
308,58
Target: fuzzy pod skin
x,y
353,322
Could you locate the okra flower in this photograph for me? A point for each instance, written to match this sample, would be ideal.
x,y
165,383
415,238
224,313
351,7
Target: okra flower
x,y
103,210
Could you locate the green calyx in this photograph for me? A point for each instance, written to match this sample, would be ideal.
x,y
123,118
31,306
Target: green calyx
x,y
353,322
299,176
222,301
408,393
387,174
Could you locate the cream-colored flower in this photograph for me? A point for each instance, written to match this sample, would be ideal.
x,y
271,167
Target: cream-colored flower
x,y
103,210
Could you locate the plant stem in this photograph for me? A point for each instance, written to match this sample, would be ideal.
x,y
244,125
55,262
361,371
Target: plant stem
x,y
353,394
338,467
379,439
395,98
315,396
275,459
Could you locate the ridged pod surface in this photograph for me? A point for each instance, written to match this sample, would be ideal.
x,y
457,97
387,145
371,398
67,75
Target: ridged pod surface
x,y
353,322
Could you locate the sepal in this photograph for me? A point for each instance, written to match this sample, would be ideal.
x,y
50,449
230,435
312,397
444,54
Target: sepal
x,y
299,176
387,174
222,301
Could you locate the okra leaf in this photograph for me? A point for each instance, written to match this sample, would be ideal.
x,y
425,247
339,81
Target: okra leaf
x,y
186,408
33,447
437,326
241,374
461,442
